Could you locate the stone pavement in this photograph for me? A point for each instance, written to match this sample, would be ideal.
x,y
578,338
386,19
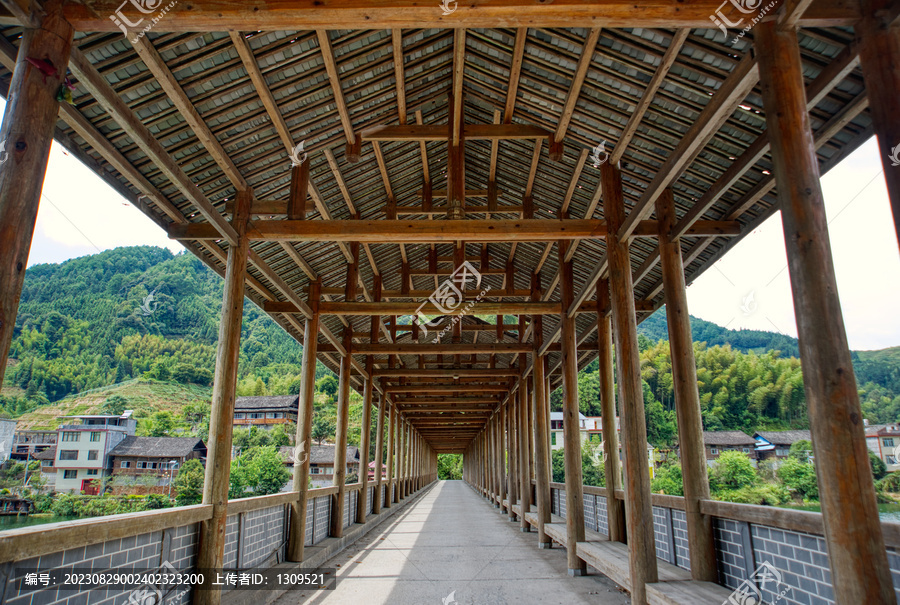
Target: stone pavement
x,y
452,548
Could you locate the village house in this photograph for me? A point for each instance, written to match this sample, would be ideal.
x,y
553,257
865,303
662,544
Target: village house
x,y
156,457
265,411
556,429
27,443
884,441
48,471
717,442
776,445
83,447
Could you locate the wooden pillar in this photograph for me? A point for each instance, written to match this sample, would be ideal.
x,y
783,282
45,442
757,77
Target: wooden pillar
x,y
512,439
26,133
304,426
856,550
364,438
379,455
638,509
211,551
340,440
501,457
366,429
529,413
878,40
615,508
522,439
701,540
389,497
541,431
571,423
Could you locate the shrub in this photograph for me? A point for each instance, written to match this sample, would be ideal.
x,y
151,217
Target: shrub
x,y
731,471
800,478
668,480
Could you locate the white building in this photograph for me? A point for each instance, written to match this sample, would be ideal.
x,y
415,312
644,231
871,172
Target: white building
x,y
7,437
82,449
556,429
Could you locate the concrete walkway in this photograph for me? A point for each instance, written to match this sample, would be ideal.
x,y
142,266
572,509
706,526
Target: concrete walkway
x,y
451,547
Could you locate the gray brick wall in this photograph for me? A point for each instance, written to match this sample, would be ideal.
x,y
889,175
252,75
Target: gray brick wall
x,y
232,530
802,561
661,532
323,518
310,521
679,527
176,546
562,503
590,513
370,494
730,553
262,537
602,515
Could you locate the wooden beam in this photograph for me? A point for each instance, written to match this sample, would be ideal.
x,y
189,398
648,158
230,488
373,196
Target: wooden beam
x,y
399,72
268,15
334,79
27,131
447,388
857,556
459,67
441,132
515,70
721,105
248,59
584,62
419,232
662,70
410,308
449,372
403,348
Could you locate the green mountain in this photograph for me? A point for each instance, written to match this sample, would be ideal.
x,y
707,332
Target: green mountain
x,y
128,313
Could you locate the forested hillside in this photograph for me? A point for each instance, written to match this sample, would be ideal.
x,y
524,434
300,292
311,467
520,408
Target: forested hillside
x,y
127,313
143,313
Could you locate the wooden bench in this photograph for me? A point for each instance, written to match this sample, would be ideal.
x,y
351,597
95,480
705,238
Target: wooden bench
x,y
688,592
611,559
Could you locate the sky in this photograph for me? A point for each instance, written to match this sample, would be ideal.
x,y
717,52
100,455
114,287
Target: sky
x,y
748,288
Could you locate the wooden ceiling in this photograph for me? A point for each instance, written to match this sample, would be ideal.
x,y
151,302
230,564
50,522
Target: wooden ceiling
x,y
182,118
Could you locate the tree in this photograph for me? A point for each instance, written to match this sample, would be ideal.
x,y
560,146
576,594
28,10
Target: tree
x,y
592,471
801,450
732,470
322,428
114,405
162,424
257,472
449,467
188,483
327,384
879,469
558,460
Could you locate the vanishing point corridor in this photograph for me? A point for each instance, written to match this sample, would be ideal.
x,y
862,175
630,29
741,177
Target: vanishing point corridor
x,y
451,543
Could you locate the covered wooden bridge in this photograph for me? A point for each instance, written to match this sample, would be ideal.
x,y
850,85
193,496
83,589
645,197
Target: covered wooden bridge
x,y
488,195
